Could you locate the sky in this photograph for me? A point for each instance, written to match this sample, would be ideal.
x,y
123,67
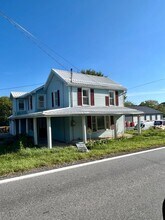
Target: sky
x,y
124,39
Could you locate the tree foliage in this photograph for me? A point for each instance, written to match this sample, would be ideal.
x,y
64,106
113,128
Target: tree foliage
x,y
92,72
5,110
128,104
150,103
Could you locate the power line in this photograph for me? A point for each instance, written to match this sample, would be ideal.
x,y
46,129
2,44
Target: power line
x,y
38,42
146,83
17,87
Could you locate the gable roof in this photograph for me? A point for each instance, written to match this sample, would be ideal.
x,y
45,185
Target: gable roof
x,y
146,110
84,80
24,94
17,94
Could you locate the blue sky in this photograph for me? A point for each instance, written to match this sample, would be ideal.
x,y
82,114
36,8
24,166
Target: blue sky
x,y
124,39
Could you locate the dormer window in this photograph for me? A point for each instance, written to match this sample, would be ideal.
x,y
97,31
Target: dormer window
x,y
41,101
21,105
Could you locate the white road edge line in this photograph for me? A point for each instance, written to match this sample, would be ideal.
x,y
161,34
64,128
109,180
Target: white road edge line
x,y
75,166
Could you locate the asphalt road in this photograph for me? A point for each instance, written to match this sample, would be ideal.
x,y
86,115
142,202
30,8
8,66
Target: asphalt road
x,y
129,188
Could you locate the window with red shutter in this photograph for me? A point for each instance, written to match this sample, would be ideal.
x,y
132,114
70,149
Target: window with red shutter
x,y
52,100
79,96
117,97
89,122
92,97
107,100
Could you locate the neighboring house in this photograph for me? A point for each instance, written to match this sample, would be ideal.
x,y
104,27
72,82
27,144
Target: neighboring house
x,y
149,114
70,107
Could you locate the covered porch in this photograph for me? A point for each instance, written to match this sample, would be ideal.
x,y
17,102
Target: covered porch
x,y
73,123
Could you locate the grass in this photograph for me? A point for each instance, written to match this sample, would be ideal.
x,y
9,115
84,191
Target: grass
x,y
24,159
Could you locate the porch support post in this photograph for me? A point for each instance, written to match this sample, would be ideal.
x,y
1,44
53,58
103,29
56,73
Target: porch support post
x,y
84,129
49,132
139,125
27,128
35,131
14,127
115,127
19,126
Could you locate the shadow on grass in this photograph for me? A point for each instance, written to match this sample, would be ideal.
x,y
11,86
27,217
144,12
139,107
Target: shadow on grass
x,y
13,144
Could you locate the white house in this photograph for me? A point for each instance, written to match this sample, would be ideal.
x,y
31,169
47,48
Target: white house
x,y
70,107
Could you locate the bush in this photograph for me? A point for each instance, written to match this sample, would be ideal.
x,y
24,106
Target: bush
x,y
16,143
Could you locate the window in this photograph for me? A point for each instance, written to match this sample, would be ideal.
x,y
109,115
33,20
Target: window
x,y
21,105
30,103
41,101
94,123
56,98
111,98
100,123
85,94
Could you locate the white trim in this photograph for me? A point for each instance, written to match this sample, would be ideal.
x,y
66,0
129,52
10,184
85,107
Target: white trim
x,y
84,129
76,166
35,131
49,132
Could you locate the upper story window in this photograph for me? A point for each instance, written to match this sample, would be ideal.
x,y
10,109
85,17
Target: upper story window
x,y
111,98
30,102
21,105
85,96
41,101
55,99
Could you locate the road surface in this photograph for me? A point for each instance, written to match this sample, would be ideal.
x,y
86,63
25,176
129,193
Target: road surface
x,y
126,188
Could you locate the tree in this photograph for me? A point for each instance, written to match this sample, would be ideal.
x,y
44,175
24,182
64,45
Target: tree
x,y
128,104
150,103
5,110
92,72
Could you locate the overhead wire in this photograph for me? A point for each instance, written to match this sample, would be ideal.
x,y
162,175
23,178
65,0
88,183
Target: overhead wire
x,y
38,42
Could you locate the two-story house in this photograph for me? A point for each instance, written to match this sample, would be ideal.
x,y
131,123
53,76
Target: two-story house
x,y
70,107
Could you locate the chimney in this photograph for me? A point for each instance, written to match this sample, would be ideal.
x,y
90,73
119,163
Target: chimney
x,y
71,74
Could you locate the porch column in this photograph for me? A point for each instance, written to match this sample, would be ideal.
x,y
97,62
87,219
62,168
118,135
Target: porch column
x,y
139,127
27,128
84,129
49,132
35,131
19,126
115,127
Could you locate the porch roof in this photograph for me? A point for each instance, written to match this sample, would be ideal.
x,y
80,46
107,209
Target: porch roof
x,y
83,110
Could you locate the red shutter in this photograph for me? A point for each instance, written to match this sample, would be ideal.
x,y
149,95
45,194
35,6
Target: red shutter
x,y
117,97
52,100
58,94
79,96
107,100
89,121
92,97
112,120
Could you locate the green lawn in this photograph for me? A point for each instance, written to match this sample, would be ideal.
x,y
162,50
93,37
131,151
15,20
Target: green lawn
x,y
29,158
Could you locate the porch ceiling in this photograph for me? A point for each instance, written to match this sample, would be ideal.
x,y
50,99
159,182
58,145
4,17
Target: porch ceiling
x,y
83,110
